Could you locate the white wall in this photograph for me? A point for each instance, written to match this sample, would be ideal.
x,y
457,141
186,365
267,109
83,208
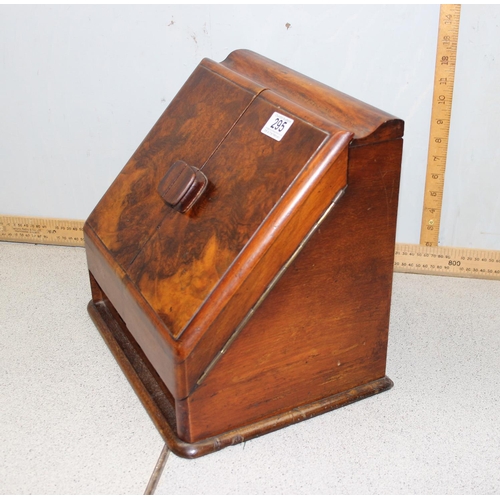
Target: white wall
x,y
80,86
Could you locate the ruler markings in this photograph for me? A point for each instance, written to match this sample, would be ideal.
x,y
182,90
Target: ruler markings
x,y
447,261
39,230
426,258
444,80
408,258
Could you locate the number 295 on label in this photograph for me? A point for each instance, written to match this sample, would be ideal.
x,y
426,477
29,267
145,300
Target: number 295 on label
x,y
277,126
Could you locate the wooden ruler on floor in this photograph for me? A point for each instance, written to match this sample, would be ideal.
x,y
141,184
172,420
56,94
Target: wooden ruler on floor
x,y
444,80
444,261
447,261
37,230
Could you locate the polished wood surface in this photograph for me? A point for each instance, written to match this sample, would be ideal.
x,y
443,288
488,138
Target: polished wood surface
x,y
161,407
203,245
252,303
324,328
130,211
368,124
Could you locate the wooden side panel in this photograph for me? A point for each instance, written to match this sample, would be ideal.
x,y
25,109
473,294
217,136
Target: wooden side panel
x,y
324,327
190,129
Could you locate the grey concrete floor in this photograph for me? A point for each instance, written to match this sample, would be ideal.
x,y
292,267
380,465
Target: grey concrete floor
x,y
70,423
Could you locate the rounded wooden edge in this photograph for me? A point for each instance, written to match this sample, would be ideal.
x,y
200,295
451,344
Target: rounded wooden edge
x,y
265,426
109,328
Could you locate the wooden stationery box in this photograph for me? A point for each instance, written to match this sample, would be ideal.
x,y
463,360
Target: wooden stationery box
x,y
241,263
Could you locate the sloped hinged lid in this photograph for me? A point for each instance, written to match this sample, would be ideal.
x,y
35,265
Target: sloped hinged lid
x,y
251,146
264,167
187,257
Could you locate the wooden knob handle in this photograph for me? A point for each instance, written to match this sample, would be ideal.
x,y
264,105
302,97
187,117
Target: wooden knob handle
x,y
182,186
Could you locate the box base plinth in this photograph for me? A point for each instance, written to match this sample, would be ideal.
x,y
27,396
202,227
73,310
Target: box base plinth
x,y
160,405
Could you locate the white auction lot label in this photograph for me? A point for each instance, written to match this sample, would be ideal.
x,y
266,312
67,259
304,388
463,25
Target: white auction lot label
x,y
277,126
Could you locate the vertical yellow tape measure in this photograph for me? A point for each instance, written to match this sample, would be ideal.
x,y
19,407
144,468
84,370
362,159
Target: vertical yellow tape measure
x,y
444,79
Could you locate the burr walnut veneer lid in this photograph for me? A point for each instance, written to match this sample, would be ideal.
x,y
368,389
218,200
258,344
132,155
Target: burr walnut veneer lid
x,y
274,159
249,173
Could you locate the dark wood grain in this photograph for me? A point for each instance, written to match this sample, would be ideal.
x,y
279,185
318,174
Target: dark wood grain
x,y
324,328
161,407
190,129
217,347
248,174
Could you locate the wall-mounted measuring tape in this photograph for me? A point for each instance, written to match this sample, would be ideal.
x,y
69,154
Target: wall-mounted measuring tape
x,y
444,80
